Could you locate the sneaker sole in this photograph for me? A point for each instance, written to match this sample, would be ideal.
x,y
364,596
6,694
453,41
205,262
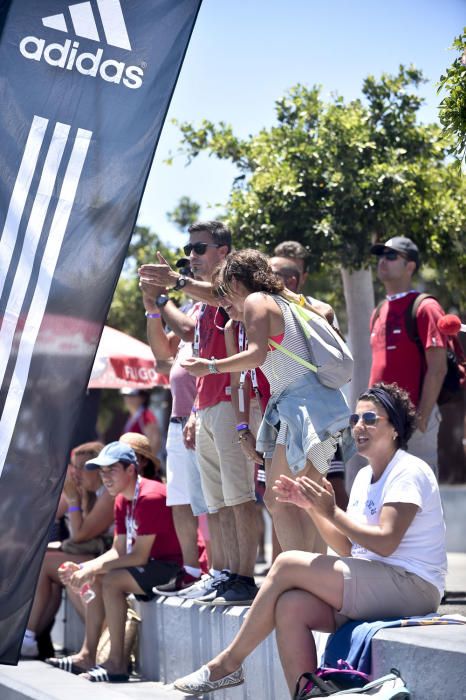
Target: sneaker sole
x,y
206,690
231,603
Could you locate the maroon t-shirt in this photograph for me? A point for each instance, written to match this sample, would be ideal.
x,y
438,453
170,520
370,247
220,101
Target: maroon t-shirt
x,y
213,388
395,357
152,516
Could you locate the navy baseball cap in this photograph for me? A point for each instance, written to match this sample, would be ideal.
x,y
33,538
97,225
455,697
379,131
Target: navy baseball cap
x,y
113,452
402,245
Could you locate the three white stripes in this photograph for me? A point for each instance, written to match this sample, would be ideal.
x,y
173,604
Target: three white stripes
x,y
39,210
84,25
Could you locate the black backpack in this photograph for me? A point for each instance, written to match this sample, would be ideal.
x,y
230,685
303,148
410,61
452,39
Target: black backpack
x,y
455,377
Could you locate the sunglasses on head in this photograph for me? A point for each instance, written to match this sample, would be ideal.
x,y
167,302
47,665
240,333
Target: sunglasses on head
x,y
369,418
220,292
391,255
199,248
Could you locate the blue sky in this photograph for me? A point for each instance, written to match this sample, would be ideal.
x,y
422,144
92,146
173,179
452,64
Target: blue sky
x,y
244,54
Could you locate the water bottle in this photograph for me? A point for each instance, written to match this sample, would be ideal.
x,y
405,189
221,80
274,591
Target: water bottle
x,y
86,593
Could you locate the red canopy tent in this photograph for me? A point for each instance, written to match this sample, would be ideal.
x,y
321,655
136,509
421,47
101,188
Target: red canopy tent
x,y
121,361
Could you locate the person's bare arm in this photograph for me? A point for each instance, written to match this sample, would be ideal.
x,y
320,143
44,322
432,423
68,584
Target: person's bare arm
x,y
292,491
163,275
94,523
436,360
115,558
246,438
180,323
256,321
383,538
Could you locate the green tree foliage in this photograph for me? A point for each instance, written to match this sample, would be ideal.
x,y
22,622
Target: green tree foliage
x,y
126,312
185,213
336,176
453,105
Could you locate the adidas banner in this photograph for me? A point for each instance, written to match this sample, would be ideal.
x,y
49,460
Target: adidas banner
x,y
84,90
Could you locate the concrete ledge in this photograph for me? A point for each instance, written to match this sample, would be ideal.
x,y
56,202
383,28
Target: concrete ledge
x,y
432,660
177,637
454,510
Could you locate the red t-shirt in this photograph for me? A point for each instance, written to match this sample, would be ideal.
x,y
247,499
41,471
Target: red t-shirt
x,y
136,423
152,516
396,358
213,388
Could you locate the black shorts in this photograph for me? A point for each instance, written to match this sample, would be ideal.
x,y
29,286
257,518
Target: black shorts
x,y
154,573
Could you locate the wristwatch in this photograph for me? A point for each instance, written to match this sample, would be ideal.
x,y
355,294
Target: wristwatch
x,y
180,283
161,300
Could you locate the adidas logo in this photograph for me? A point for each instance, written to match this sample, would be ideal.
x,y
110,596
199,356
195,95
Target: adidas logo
x,y
107,21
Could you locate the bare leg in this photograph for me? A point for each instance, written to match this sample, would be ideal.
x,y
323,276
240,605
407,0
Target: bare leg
x,y
229,538
260,532
186,529
293,531
46,604
76,601
246,529
94,621
115,587
276,549
218,560
297,614
315,573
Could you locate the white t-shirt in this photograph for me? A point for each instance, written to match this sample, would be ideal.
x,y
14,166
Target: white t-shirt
x,y
406,479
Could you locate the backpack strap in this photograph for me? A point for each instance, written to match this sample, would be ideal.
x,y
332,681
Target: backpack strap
x,y
295,312
376,315
296,358
411,320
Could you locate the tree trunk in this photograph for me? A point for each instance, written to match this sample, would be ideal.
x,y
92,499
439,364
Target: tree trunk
x,y
359,297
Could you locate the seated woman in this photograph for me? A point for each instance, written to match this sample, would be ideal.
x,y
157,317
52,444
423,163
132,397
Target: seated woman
x,y
249,288
390,543
148,464
90,515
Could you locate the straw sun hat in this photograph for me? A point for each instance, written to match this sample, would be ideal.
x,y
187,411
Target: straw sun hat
x,y
140,445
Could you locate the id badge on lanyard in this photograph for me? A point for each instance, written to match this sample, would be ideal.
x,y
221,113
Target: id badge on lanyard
x,y
130,525
197,331
243,344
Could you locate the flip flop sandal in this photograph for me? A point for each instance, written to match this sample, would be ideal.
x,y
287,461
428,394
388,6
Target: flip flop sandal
x,y
98,674
65,663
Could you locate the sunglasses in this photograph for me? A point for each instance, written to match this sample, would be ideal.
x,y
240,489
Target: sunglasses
x,y
369,418
199,248
391,255
220,292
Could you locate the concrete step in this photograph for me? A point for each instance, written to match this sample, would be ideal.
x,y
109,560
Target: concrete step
x,y
432,660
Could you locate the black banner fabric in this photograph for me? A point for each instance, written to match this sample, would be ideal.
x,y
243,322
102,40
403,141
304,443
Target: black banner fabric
x,y
84,90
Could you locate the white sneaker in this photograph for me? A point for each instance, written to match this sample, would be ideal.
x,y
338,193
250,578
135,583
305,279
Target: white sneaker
x,y
29,648
199,588
199,681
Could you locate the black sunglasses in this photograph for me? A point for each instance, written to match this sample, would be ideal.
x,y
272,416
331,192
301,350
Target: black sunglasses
x,y
369,418
391,255
199,248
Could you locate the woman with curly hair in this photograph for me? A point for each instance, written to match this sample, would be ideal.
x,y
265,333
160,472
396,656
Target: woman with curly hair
x,y
303,419
390,544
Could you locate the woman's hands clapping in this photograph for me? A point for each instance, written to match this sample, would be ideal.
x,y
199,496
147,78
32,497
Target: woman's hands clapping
x,y
306,493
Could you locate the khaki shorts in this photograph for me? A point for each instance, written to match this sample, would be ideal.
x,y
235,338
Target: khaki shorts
x,y
374,590
227,476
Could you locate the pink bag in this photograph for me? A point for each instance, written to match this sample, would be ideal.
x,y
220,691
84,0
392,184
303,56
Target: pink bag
x,y
328,681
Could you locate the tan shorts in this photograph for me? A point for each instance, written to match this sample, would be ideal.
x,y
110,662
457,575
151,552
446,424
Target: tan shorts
x,y
227,476
374,590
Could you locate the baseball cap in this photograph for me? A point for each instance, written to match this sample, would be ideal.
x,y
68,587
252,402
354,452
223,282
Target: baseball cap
x,y
113,452
401,245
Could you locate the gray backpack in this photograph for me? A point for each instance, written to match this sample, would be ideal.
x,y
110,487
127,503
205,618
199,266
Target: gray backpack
x,y
330,357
